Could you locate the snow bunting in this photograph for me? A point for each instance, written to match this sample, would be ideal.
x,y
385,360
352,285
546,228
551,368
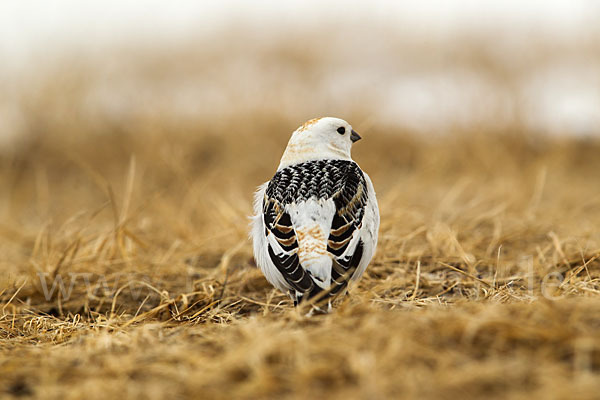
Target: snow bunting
x,y
315,222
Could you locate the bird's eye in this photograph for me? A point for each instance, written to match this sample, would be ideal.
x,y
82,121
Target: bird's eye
x,y
341,130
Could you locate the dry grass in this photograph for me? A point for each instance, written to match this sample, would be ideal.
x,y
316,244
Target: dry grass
x,y
500,233
485,283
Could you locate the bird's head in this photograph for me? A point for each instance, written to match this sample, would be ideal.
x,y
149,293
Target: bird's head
x,y
320,139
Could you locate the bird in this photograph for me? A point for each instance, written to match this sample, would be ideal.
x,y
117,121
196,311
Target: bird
x,y
315,223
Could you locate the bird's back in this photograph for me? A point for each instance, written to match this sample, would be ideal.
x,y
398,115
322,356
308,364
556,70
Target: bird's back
x,y
313,210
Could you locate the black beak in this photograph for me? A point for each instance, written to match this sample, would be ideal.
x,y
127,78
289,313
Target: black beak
x,y
355,137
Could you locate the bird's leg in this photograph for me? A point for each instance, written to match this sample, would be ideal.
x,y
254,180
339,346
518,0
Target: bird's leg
x,y
294,296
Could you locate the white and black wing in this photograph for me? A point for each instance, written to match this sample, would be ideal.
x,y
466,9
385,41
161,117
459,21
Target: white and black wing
x,y
338,181
344,242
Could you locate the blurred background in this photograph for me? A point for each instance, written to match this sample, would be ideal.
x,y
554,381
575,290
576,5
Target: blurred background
x,y
425,67
133,135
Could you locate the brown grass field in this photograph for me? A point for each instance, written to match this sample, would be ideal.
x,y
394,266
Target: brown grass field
x,y
127,271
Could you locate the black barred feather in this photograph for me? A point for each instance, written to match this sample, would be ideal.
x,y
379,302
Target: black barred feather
x,y
291,270
343,269
320,179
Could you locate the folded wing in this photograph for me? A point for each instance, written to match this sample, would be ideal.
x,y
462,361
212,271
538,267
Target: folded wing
x,y
339,181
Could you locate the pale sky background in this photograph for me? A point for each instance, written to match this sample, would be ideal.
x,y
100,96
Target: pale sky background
x,y
563,96
31,25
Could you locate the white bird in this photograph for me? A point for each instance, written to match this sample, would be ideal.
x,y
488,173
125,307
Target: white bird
x,y
316,221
